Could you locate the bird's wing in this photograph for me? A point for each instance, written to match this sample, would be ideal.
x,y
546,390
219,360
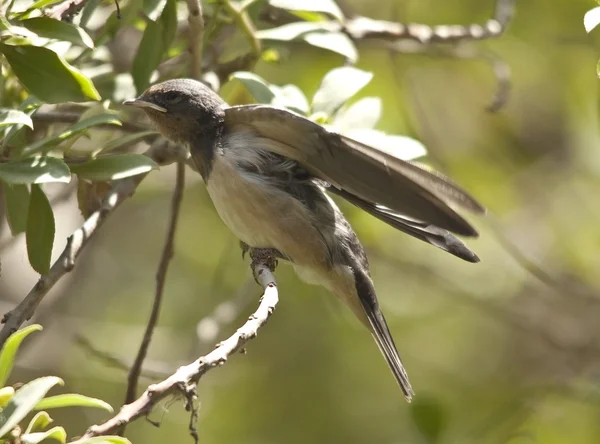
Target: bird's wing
x,y
371,174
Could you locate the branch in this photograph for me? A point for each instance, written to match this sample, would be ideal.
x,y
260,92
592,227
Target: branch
x,y
240,16
195,36
161,276
184,380
72,117
163,155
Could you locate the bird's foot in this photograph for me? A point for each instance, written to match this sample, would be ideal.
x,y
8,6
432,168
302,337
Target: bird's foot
x,y
264,256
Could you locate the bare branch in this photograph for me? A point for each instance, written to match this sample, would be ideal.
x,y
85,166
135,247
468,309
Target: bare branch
x,y
78,240
185,378
195,37
161,276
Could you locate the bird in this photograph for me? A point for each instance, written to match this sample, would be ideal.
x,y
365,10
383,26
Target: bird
x,y
270,172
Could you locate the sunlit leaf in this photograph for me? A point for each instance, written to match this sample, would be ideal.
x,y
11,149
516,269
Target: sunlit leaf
x,y
40,231
257,86
35,170
337,87
290,31
148,55
103,440
154,8
591,19
16,201
47,75
402,147
14,117
47,143
326,6
9,351
362,114
72,400
24,400
56,433
114,167
6,394
334,41
291,97
39,422
59,30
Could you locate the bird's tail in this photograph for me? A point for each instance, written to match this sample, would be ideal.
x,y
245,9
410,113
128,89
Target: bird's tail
x,y
369,309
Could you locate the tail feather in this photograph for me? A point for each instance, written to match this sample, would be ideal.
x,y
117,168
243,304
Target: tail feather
x,y
380,330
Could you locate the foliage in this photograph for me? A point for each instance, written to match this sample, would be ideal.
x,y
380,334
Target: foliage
x,y
20,403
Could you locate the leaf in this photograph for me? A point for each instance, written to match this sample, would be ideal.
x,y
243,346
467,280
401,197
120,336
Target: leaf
x,y
148,56
257,86
125,141
47,75
402,147
103,440
429,417
47,143
6,394
326,6
72,400
24,400
14,117
39,422
591,19
39,169
59,30
291,97
154,8
291,31
362,114
38,5
40,231
88,10
114,167
334,41
9,351
56,433
16,200
169,21
337,87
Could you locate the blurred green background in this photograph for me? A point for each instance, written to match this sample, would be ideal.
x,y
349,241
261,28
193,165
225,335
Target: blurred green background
x,y
504,351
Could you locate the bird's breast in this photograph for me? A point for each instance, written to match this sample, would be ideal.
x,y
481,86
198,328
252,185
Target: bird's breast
x,y
262,214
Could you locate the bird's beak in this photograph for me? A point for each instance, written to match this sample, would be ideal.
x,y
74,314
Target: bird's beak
x,y
144,104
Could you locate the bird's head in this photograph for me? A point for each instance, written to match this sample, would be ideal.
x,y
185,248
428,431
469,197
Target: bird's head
x,y
182,109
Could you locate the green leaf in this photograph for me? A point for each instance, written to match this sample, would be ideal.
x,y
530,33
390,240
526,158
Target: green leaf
x,y
24,400
47,143
337,87
291,31
126,140
326,6
16,200
291,97
39,422
103,440
334,41
40,231
35,170
154,8
14,117
591,19
148,55
169,21
38,5
9,351
402,147
6,394
56,433
362,114
257,86
72,400
114,167
429,417
47,75
58,30
88,10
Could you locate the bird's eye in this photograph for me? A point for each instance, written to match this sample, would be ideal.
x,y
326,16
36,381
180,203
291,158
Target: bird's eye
x,y
172,97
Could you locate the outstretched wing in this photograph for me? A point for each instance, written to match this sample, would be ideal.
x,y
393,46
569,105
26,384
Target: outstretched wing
x,y
370,174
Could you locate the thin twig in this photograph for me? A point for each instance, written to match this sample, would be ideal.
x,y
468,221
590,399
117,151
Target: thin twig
x,y
195,37
161,277
184,380
163,154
